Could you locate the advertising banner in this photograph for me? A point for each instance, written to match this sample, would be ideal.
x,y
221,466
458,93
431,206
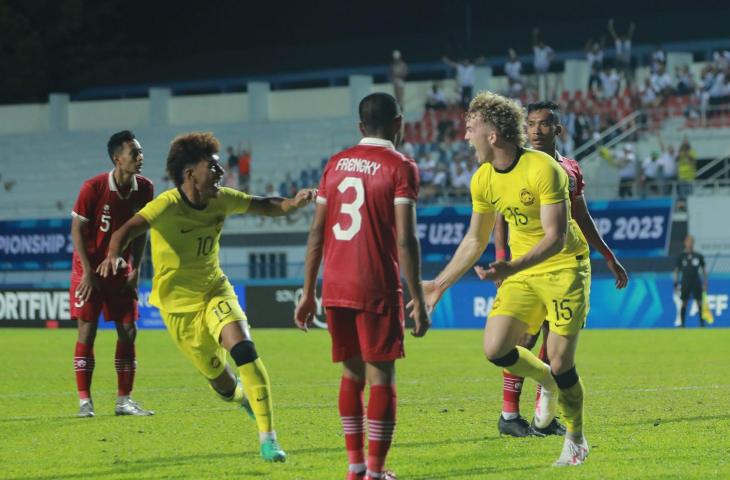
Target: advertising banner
x,y
36,244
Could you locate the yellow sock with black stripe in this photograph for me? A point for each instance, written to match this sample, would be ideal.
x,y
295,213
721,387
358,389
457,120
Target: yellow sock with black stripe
x,y
524,363
570,400
257,386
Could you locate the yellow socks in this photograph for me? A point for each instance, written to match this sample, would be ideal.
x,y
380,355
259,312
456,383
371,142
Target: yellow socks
x,y
257,387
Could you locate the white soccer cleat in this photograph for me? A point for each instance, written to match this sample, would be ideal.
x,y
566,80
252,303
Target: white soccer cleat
x,y
546,408
86,408
127,406
573,453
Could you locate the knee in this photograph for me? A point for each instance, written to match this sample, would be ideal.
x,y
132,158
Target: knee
x,y
504,360
87,332
559,365
244,352
127,332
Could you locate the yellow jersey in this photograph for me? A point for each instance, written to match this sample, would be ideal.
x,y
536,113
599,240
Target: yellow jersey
x,y
534,179
185,243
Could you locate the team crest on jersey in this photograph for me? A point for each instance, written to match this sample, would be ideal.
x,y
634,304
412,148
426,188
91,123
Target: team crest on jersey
x,y
526,197
215,362
106,208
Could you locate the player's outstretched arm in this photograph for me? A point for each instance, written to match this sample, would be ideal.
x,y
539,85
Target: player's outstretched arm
x,y
499,235
595,240
307,307
409,254
133,228
278,206
467,253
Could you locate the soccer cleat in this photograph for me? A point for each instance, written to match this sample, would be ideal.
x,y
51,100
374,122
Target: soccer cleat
x,y
272,452
86,408
573,453
384,475
355,476
554,428
128,406
238,396
247,406
546,408
515,427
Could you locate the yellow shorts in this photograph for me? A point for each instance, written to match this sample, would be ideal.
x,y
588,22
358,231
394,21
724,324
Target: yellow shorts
x,y
197,334
560,297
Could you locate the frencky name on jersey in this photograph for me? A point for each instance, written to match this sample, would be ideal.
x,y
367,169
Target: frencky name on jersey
x,y
358,165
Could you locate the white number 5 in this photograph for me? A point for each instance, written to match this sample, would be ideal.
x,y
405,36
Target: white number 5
x,y
105,224
352,209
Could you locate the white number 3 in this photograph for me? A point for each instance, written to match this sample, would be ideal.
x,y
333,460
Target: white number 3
x,y
105,224
352,209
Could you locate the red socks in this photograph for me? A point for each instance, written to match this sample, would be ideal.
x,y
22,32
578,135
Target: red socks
x,y
125,364
353,420
511,391
381,424
84,368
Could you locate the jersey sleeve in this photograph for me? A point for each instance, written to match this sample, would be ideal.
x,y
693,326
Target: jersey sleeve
x,y
702,261
235,201
552,183
580,183
84,206
322,189
152,211
407,183
480,204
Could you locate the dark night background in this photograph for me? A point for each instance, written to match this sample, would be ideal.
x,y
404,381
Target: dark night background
x,y
69,45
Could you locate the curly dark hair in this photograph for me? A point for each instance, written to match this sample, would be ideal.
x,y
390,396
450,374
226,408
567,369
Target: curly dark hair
x,y
503,113
188,149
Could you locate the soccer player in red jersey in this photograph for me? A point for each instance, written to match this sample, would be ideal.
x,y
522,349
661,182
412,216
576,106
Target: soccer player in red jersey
x,y
365,225
104,203
543,126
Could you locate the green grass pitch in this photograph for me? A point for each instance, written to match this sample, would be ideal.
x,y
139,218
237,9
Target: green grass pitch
x,y
657,406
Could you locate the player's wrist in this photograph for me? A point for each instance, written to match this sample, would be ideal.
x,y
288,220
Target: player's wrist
x,y
500,254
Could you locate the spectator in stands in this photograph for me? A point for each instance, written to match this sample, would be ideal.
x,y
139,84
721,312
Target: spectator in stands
x,y
460,180
626,161
647,95
668,165
610,83
513,71
565,142
650,177
686,168
658,58
661,82
543,56
244,168
719,92
721,60
398,74
594,57
465,77
427,168
685,82
436,98
622,43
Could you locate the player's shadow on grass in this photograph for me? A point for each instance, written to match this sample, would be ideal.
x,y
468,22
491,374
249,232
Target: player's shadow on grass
x,y
455,473
660,421
129,468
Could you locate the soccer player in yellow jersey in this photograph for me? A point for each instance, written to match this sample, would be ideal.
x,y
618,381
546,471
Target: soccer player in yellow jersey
x,y
549,275
196,300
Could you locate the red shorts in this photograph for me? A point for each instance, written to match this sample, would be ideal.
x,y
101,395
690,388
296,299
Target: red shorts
x,y
370,336
117,302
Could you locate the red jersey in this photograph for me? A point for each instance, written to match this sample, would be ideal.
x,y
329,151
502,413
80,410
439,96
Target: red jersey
x,y
575,179
361,186
104,209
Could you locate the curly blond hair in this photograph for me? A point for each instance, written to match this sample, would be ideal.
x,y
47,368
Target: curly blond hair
x,y
503,113
189,149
